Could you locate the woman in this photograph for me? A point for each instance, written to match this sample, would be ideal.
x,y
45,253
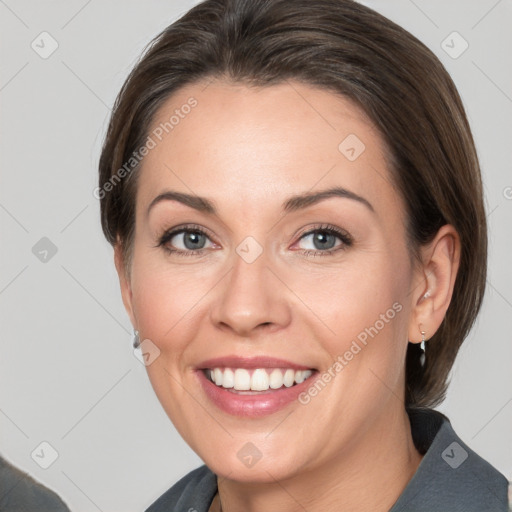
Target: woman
x,y
295,204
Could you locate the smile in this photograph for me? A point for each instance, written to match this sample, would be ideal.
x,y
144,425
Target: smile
x,y
258,379
253,386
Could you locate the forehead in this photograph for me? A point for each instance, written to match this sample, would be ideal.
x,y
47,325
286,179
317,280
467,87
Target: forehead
x,y
255,145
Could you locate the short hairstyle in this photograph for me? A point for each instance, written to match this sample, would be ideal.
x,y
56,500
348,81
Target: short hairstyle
x,y
348,49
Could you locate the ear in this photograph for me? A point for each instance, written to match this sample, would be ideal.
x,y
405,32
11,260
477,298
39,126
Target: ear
x,y
433,283
124,281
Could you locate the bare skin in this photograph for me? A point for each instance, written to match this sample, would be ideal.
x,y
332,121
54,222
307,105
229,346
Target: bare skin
x,y
248,150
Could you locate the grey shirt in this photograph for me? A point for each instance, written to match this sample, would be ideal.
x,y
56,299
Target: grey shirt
x,y
19,492
450,478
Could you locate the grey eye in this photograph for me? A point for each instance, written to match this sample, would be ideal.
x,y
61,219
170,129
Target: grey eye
x,y
319,240
191,240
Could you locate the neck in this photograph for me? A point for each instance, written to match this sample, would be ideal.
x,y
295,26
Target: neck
x,y
370,475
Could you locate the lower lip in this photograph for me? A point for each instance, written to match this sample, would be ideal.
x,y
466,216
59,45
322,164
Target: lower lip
x,y
259,404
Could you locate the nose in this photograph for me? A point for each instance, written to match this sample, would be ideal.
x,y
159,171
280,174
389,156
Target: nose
x,y
250,299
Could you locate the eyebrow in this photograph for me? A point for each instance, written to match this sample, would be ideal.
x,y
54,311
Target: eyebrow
x,y
292,204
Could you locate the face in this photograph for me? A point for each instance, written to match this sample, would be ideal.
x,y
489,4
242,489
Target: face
x,y
295,252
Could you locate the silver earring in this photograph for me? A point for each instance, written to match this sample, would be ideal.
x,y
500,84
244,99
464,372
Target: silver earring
x,y
136,339
422,345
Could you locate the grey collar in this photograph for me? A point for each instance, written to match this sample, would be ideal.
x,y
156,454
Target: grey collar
x,y
450,478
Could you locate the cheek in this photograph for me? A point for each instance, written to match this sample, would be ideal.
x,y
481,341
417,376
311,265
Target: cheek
x,y
170,304
363,328
166,304
352,295
163,300
358,313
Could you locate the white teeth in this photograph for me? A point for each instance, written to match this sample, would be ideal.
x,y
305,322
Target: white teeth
x,y
261,379
289,377
299,377
217,376
228,379
276,379
242,380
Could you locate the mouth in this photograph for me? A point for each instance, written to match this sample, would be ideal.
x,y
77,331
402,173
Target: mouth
x,y
251,381
254,387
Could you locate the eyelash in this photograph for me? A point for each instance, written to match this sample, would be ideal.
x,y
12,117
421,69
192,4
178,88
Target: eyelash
x,y
345,238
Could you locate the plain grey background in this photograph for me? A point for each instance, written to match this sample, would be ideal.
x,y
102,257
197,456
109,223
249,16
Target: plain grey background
x,y
68,376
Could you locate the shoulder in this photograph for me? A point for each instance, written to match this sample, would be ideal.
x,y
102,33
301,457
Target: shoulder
x,y
193,492
451,477
19,491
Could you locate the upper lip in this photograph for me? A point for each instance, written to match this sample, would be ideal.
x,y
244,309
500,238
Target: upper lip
x,y
250,362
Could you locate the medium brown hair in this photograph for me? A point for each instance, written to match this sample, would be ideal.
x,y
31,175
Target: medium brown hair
x,y
351,50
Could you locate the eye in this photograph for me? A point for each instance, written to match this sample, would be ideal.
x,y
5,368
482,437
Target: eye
x,y
193,240
324,240
186,241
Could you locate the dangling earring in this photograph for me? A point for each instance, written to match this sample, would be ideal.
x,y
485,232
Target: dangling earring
x,y
422,345
136,339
